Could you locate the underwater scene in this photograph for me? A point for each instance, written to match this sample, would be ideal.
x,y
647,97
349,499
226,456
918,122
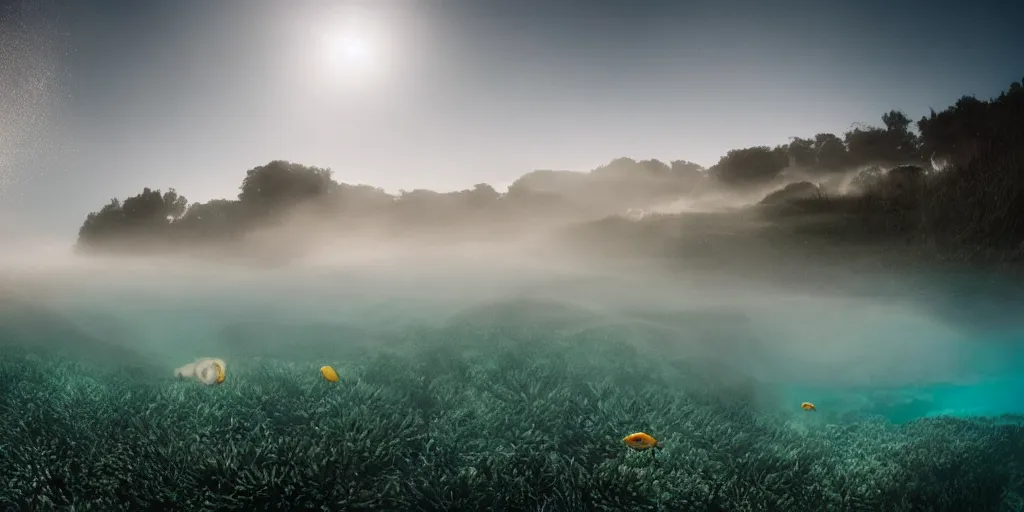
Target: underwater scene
x,y
460,388
466,255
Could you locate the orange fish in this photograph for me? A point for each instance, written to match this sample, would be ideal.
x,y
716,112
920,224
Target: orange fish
x,y
807,406
329,374
641,441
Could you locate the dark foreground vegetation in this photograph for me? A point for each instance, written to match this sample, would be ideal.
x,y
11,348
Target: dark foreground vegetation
x,y
472,415
955,184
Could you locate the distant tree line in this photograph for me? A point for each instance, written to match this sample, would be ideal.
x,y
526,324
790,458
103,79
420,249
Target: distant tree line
x,y
975,143
960,185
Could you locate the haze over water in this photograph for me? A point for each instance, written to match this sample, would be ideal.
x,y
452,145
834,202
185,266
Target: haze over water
x,y
902,345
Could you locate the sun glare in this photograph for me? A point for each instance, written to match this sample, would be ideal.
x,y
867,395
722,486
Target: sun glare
x,y
349,50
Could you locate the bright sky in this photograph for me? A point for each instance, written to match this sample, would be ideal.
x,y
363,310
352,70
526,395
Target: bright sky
x,y
100,99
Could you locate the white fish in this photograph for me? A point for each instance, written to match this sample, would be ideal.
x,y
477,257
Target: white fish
x,y
208,370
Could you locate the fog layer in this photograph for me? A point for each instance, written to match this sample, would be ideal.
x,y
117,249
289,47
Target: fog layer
x,y
829,339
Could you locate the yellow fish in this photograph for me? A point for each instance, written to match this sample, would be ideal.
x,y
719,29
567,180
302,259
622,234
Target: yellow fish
x,y
807,406
641,441
329,374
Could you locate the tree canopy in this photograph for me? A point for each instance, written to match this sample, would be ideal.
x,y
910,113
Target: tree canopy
x,y
969,131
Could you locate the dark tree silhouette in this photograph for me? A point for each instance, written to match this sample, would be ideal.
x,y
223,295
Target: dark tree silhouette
x,y
978,199
481,197
831,152
972,127
147,215
212,220
750,166
280,184
685,170
802,153
892,145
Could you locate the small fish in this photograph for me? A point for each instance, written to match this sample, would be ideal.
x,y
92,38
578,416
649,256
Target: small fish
x,y
329,374
807,406
641,441
220,372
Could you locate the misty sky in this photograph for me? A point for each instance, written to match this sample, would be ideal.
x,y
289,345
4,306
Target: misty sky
x,y
101,98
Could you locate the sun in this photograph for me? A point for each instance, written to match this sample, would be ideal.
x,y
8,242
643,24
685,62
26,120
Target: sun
x,y
355,48
347,53
347,48
351,51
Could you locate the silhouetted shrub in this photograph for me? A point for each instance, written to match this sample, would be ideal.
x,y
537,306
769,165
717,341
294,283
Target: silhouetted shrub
x,y
980,203
793,191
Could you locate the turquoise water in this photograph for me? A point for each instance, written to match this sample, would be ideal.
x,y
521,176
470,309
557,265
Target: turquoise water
x,y
726,343
902,355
